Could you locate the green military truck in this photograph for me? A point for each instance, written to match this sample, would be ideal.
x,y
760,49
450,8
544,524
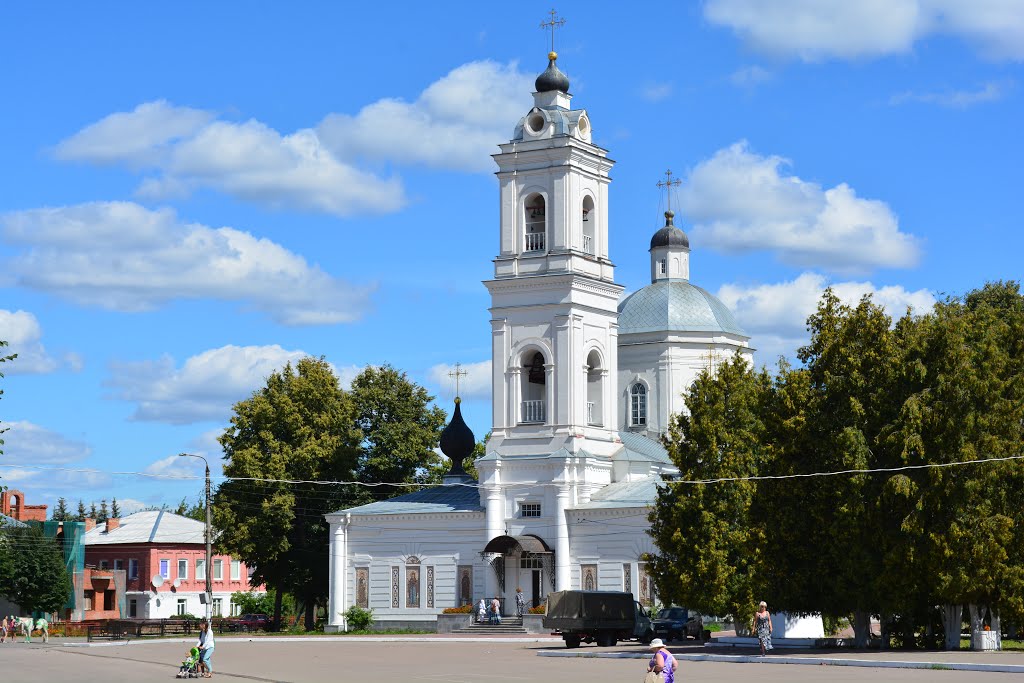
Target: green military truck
x,y
602,617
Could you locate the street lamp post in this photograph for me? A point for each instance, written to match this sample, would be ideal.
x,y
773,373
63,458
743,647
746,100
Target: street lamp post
x,y
209,540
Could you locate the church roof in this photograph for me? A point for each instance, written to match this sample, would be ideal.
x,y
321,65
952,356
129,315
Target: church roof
x,y
625,494
675,306
638,447
670,235
428,500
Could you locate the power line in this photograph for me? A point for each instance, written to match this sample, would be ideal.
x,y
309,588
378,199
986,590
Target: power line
x,y
476,485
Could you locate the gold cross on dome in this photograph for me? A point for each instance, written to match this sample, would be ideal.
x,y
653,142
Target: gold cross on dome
x,y
668,183
556,22
457,373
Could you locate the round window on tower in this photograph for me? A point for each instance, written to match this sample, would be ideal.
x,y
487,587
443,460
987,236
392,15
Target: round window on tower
x,y
535,121
584,127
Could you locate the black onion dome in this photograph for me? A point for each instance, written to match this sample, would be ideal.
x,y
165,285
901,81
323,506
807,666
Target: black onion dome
x,y
670,235
552,78
457,440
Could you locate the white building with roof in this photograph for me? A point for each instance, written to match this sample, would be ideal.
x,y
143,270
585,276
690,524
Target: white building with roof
x,y
584,382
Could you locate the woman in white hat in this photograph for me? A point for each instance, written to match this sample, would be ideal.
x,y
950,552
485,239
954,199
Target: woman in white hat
x,y
662,662
763,627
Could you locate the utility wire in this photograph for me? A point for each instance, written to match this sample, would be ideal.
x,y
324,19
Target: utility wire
x,y
369,484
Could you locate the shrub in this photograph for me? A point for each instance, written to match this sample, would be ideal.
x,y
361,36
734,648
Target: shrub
x,y
465,609
359,619
539,609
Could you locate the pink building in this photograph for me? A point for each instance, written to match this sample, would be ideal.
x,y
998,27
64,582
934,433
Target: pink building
x,y
164,559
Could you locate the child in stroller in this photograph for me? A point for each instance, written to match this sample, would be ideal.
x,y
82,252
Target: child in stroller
x,y
190,667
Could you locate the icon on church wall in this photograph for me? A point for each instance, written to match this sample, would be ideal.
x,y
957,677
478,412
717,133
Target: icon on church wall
x,y
465,585
589,581
363,587
412,587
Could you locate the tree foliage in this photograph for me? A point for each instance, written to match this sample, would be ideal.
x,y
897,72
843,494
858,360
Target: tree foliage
x,y
61,512
933,389
195,510
708,542
35,576
303,427
300,426
400,430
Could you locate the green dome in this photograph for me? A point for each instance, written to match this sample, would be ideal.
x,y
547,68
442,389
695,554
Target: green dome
x,y
675,306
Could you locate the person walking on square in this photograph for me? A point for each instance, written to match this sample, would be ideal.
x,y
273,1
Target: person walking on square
x,y
762,627
205,646
662,666
481,611
520,602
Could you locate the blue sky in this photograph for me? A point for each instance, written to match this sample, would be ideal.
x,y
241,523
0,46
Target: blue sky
x,y
195,193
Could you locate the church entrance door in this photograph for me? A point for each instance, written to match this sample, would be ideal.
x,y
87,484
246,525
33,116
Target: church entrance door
x,y
535,588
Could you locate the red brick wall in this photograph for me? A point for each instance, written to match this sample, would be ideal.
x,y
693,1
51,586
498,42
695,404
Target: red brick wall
x,y
149,556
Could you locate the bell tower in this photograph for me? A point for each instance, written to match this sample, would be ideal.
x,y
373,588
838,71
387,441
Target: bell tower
x,y
554,300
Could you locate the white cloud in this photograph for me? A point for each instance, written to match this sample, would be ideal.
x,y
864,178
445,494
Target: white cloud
x,y
31,444
256,163
175,466
750,76
455,123
476,384
656,92
204,388
125,257
23,333
955,99
775,315
189,150
739,200
816,30
129,506
141,137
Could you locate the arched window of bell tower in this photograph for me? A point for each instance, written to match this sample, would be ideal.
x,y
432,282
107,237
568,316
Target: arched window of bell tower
x,y
589,224
595,389
533,389
535,221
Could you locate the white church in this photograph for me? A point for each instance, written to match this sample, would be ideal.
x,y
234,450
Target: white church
x,y
584,383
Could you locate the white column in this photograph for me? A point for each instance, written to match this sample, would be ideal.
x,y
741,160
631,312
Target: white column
x,y
339,574
562,539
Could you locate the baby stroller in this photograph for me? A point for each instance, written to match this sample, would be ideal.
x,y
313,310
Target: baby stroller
x,y
190,667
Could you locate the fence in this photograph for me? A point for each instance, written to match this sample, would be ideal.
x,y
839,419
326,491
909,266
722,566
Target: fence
x,y
128,629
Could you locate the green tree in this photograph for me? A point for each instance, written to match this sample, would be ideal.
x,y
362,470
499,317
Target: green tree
x,y
115,509
104,512
708,545
967,362
93,514
196,510
400,431
61,513
300,426
81,515
254,603
849,400
37,578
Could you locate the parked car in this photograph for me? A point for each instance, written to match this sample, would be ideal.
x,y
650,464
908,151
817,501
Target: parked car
x,y
678,623
251,622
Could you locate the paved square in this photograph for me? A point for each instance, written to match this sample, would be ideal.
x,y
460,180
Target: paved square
x,y
437,660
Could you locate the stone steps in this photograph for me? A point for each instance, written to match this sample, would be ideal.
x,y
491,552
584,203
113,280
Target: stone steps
x,y
508,625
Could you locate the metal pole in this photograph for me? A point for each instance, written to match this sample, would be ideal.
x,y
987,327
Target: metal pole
x,y
209,552
209,541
